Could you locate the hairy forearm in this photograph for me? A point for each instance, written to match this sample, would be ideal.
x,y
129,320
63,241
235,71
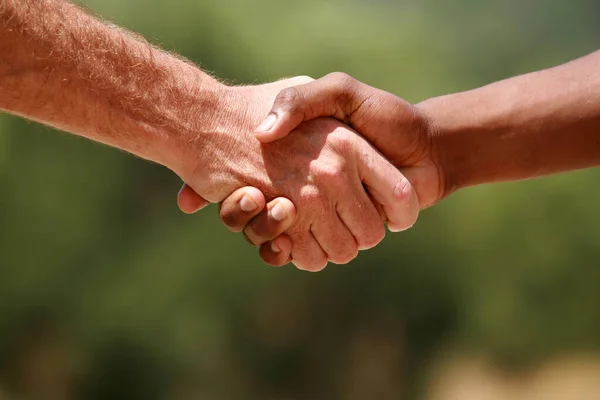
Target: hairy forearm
x,y
63,67
528,126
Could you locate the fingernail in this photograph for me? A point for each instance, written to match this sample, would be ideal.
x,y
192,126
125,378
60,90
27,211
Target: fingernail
x,y
278,212
268,123
275,248
247,204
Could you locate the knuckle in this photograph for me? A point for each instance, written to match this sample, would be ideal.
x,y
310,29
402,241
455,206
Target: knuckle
x,y
313,266
341,78
371,236
328,171
403,190
345,87
290,99
343,142
346,255
309,194
406,213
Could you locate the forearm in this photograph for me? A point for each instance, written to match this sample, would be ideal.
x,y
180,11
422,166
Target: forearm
x,y
62,67
532,125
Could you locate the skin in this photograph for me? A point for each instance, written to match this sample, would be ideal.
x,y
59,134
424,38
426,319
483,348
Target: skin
x,y
62,67
533,125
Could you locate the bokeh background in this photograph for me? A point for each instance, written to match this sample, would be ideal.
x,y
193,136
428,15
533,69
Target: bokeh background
x,y
107,291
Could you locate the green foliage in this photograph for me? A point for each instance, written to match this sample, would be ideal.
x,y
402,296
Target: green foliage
x,y
144,302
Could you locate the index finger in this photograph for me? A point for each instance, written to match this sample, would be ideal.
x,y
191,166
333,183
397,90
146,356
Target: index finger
x,y
389,187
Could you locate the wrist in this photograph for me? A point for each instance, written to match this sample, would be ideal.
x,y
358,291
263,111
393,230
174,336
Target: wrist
x,y
440,152
455,129
201,109
220,154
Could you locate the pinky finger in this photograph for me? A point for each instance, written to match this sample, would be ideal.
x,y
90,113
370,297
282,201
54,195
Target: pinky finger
x,y
277,252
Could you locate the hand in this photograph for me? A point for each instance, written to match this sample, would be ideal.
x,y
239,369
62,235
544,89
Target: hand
x,y
322,170
395,127
398,129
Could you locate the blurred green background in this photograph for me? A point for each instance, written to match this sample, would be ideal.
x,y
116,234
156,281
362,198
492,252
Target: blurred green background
x,y
107,291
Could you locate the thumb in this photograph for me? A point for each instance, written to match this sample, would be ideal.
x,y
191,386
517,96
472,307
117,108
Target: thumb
x,y
189,201
287,113
389,187
334,95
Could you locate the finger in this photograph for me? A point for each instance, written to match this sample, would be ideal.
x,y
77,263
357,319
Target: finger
x,y
277,252
378,207
237,210
189,201
335,239
335,95
390,188
275,219
362,216
307,254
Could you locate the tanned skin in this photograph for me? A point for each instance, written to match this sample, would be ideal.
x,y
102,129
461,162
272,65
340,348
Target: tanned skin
x,y
63,67
537,124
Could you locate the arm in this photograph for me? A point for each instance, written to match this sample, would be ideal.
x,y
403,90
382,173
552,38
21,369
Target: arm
x,y
532,125
537,124
65,68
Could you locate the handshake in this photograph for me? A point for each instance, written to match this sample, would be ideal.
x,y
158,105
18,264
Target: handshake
x,y
310,170
332,162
